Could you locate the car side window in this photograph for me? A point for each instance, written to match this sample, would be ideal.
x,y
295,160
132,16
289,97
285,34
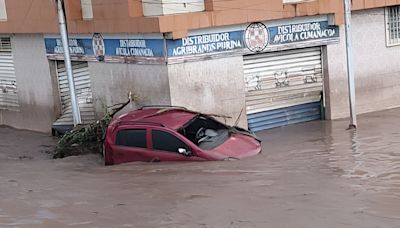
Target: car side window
x,y
132,138
167,142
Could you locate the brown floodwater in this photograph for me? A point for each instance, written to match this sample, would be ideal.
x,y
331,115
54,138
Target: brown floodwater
x,y
316,174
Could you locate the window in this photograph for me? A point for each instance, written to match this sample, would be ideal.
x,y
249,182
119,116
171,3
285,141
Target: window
x,y
166,142
295,1
132,138
393,25
87,9
3,11
167,7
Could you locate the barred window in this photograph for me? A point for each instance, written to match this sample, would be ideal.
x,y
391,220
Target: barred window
x,y
393,25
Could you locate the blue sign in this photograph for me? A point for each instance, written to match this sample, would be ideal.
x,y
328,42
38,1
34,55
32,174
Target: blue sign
x,y
253,38
257,37
79,47
108,47
207,43
134,47
292,33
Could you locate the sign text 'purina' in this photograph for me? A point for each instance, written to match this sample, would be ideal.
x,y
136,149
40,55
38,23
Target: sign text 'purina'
x,y
207,43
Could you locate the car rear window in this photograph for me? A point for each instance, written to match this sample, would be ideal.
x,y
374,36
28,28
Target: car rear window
x,y
132,138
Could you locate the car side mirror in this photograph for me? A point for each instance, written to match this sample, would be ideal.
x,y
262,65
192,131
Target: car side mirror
x,y
184,152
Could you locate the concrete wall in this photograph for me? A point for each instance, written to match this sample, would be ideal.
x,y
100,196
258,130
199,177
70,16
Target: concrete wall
x,y
35,86
211,86
336,92
111,83
377,67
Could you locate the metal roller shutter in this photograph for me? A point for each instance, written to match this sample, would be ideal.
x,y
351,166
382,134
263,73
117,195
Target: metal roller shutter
x,y
8,81
283,87
83,93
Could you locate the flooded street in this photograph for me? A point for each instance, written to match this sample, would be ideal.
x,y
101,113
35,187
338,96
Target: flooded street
x,y
316,174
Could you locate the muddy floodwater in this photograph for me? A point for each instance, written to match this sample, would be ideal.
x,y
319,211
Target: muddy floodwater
x,y
316,174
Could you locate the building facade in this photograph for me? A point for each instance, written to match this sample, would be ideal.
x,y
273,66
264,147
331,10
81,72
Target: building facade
x,y
265,63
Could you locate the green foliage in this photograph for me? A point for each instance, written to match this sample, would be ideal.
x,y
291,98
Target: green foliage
x,y
86,139
83,139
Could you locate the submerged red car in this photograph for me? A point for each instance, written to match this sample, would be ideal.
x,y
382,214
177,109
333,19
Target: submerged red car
x,y
174,134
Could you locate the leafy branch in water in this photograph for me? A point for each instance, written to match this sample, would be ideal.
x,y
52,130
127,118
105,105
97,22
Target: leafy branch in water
x,y
86,139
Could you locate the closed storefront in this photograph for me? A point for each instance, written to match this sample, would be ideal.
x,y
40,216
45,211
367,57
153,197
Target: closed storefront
x,y
8,81
282,69
283,87
83,93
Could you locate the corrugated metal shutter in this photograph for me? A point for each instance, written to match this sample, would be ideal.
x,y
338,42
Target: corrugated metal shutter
x,y
283,87
83,93
8,80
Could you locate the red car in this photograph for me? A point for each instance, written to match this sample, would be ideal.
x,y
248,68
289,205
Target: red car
x,y
174,134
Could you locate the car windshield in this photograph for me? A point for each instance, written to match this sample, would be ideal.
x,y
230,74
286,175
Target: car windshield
x,y
205,132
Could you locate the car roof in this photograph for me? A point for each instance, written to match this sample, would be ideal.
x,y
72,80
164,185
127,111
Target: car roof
x,y
173,118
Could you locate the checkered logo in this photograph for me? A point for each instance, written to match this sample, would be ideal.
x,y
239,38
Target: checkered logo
x,y
98,46
256,37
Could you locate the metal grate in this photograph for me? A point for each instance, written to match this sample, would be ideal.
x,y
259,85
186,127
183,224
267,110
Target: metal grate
x,y
5,44
83,93
283,79
283,87
8,81
393,25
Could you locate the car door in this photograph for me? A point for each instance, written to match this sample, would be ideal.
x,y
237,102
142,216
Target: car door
x,y
131,144
166,146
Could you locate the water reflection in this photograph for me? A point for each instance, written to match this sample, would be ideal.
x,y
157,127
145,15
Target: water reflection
x,y
372,160
368,156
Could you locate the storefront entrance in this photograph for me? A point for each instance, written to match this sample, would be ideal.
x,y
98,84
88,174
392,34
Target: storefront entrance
x,y
83,93
283,87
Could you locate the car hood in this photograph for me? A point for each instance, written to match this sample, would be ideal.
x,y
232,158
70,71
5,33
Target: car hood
x,y
237,146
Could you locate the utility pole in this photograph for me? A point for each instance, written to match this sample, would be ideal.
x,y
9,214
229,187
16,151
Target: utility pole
x,y
350,67
67,60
